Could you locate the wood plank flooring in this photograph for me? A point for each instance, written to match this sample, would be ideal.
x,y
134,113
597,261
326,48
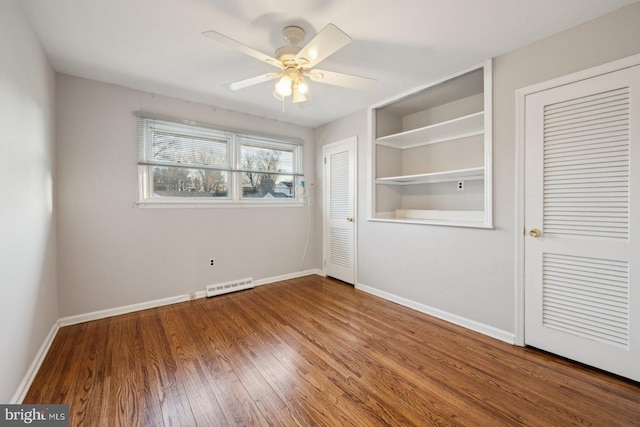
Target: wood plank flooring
x,y
314,352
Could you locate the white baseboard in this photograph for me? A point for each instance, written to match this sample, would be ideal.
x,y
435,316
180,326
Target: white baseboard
x,y
110,312
25,384
496,333
287,277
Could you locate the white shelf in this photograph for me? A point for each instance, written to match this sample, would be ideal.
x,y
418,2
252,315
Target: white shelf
x,y
470,219
470,125
448,216
428,178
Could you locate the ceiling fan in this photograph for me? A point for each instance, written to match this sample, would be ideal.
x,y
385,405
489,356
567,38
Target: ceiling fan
x,y
296,63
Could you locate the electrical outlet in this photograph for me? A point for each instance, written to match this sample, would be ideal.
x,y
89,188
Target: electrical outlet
x,y
212,262
460,186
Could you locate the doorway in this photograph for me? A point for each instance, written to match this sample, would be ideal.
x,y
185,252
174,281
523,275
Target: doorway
x,y
339,209
577,254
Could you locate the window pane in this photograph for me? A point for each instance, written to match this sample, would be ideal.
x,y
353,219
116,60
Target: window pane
x,y
266,158
186,149
183,182
267,186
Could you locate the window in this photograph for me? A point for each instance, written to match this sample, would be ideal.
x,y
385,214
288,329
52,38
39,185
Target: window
x,y
185,163
267,168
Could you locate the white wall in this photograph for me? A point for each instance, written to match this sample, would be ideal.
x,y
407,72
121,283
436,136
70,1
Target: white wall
x,y
29,302
112,253
469,273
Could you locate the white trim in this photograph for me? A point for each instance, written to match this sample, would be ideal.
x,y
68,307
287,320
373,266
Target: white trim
x,y
490,331
488,142
116,311
27,380
204,204
519,222
318,272
288,277
520,99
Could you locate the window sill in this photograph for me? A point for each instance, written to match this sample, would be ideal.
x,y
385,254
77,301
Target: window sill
x,y
208,204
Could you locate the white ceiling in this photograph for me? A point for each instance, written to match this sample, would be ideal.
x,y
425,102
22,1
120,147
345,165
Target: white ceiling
x,y
157,46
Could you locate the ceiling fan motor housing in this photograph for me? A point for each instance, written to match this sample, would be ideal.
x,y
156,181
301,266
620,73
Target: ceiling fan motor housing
x,y
287,53
293,34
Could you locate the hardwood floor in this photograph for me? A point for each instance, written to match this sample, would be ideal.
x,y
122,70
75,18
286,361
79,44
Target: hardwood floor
x,y
314,352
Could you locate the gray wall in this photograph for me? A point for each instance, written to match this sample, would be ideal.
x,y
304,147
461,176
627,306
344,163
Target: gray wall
x,y
469,273
29,302
112,253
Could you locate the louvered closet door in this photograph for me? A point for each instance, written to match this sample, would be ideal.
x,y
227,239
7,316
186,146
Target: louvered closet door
x,y
339,216
582,286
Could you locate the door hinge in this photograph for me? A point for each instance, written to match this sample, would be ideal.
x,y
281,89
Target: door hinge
x,y
325,160
325,262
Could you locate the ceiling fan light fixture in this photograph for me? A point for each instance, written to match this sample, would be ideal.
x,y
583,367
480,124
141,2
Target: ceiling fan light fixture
x,y
298,97
302,86
283,87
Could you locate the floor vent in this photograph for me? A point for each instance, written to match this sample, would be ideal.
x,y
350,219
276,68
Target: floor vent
x,y
233,286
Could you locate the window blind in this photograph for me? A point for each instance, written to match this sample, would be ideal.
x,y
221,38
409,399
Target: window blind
x,y
163,143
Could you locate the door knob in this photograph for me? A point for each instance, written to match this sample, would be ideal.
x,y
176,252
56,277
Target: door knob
x,y
349,219
534,232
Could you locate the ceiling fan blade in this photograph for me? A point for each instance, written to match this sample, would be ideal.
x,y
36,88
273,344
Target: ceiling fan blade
x,y
326,42
253,81
339,79
214,35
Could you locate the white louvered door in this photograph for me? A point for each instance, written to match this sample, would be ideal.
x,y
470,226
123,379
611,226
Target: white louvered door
x,y
339,210
582,170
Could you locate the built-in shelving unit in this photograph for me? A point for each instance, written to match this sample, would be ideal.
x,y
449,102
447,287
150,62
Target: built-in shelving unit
x,y
431,153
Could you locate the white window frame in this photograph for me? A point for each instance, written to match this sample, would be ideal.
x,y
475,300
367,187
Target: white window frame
x,y
234,168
